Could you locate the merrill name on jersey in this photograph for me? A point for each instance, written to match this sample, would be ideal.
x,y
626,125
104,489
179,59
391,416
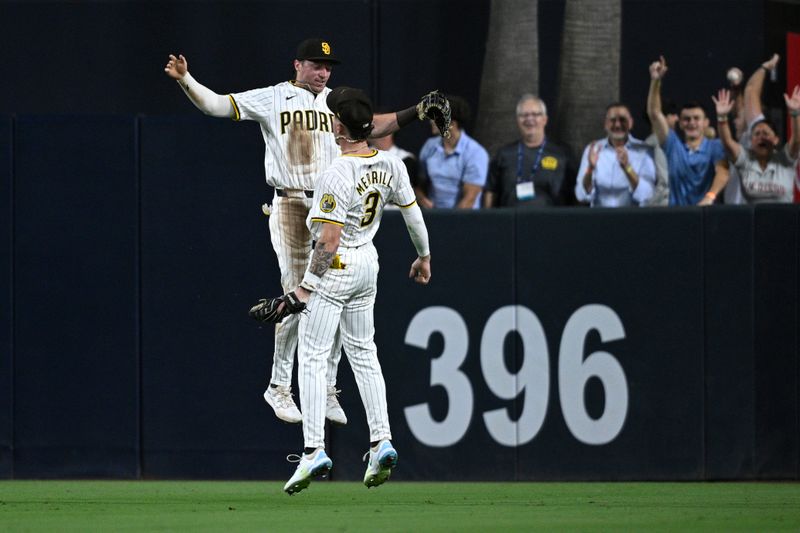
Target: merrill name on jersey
x,y
379,177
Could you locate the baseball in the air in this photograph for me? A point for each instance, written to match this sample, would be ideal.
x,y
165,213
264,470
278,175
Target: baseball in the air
x,y
735,76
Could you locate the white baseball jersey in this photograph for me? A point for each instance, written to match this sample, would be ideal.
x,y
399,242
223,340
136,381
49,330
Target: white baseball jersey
x,y
282,110
353,191
279,109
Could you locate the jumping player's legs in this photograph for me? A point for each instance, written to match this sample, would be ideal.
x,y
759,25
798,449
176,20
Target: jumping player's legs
x,y
291,241
358,338
317,330
333,359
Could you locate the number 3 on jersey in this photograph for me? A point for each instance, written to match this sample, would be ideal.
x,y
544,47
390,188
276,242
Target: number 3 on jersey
x,y
370,208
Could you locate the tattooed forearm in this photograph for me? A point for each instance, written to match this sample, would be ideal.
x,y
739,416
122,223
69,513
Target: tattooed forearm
x,y
320,260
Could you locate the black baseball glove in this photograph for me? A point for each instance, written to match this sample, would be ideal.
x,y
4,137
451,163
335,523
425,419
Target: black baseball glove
x,y
435,106
270,310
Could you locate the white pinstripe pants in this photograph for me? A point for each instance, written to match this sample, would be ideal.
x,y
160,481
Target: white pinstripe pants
x,y
291,241
345,299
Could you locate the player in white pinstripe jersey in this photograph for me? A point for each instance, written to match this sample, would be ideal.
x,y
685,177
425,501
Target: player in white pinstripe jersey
x,y
341,282
296,125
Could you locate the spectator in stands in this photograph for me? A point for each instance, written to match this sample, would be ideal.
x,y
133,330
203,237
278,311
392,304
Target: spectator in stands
x,y
698,170
532,171
748,112
660,196
618,170
767,173
453,169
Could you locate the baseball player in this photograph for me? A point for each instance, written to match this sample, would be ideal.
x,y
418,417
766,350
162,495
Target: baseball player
x,y
340,284
297,128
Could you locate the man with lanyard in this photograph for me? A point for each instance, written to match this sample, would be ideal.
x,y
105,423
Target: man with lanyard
x,y
532,171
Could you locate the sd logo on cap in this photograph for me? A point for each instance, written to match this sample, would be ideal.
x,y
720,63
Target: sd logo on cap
x,y
315,49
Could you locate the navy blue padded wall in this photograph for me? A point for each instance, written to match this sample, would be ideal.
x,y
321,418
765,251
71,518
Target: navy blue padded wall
x,y
6,302
645,266
729,429
776,243
472,276
206,258
76,232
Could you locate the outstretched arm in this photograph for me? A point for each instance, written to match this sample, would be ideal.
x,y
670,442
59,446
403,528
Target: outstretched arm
x,y
752,91
433,105
660,127
421,267
384,124
724,105
736,86
793,106
201,96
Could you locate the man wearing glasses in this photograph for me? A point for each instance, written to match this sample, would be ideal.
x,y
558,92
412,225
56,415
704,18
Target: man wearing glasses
x,y
617,171
533,170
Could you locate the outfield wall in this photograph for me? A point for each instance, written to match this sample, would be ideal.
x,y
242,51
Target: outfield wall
x,y
562,344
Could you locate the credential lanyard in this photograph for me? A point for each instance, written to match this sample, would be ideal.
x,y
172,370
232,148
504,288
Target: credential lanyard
x,y
536,163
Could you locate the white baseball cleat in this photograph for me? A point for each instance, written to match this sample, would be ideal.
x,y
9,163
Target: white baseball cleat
x,y
318,464
334,411
382,459
280,399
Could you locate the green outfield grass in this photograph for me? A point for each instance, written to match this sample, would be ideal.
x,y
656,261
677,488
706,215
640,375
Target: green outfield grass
x,y
397,506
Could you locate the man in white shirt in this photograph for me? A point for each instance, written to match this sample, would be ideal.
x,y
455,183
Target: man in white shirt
x,y
617,171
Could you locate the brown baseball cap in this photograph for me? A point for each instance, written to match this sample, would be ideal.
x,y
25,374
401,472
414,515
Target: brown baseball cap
x,y
316,49
353,108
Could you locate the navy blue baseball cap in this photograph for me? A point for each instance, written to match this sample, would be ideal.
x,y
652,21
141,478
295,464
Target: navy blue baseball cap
x,y
353,108
316,49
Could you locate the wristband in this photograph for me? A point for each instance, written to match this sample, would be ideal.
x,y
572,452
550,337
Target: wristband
x,y
722,118
310,281
629,169
406,116
184,81
795,112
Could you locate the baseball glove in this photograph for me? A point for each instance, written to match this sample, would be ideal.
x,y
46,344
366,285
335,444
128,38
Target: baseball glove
x,y
436,107
270,310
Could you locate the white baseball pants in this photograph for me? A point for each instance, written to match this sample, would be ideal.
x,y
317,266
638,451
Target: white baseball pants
x,y
344,299
291,241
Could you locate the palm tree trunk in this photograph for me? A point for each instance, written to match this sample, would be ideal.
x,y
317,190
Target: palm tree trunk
x,y
589,70
510,69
